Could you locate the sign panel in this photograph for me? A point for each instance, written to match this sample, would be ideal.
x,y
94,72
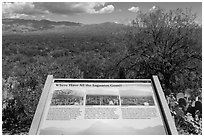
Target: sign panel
x,y
98,107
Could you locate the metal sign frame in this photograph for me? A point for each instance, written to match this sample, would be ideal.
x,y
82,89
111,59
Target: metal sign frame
x,y
167,118
163,106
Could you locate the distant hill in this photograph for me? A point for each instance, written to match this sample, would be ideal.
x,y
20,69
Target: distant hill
x,y
102,28
22,26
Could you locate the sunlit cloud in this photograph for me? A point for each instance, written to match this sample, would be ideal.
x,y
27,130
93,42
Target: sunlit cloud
x,y
107,9
134,9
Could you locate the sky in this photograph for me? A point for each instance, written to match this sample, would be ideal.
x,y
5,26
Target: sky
x,y
91,12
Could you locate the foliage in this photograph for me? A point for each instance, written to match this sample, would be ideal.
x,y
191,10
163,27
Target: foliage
x,y
167,44
188,119
28,59
13,112
189,125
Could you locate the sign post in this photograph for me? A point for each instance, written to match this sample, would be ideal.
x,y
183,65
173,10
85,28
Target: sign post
x,y
41,106
102,107
170,125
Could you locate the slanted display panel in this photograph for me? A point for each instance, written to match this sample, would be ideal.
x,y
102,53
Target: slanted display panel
x,y
102,107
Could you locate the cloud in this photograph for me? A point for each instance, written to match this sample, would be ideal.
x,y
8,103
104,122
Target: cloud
x,y
61,8
74,8
18,9
134,9
107,9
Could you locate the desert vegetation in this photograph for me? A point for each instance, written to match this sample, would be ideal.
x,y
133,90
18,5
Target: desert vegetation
x,y
163,43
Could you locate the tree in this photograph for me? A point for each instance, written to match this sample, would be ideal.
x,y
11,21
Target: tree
x,y
167,44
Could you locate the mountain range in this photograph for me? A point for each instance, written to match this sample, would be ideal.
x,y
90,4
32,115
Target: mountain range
x,y
23,26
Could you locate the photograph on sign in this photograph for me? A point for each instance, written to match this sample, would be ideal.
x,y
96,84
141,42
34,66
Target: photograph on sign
x,y
67,97
101,109
102,97
136,97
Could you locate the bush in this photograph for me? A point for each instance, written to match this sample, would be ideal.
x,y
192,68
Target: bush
x,y
22,91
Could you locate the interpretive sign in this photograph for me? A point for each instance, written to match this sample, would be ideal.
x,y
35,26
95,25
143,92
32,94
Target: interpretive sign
x,y
102,107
